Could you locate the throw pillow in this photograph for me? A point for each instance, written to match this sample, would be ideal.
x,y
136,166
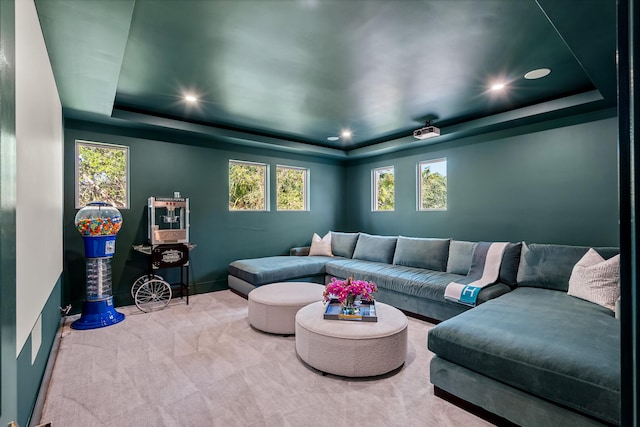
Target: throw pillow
x,y
595,279
321,246
510,263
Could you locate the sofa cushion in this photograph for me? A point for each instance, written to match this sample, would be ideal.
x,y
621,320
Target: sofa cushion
x,y
597,280
412,281
375,248
460,254
550,266
541,341
343,244
259,271
424,253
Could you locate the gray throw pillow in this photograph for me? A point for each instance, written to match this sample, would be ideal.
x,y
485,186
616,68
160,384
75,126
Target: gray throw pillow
x,y
550,266
460,254
426,253
375,248
343,244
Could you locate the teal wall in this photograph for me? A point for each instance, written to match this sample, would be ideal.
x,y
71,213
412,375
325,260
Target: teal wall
x,y
31,374
8,367
555,182
164,162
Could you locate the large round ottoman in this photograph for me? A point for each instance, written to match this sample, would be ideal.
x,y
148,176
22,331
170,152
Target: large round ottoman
x,y
273,308
352,348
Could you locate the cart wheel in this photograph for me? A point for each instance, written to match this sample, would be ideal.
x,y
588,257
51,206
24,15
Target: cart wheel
x,y
153,295
142,279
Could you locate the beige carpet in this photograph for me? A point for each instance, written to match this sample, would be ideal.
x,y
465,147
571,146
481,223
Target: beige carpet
x,y
203,365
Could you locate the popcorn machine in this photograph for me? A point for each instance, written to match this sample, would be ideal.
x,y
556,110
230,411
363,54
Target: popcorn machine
x,y
168,219
169,246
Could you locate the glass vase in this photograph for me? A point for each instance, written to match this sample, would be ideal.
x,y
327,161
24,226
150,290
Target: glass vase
x,y
349,306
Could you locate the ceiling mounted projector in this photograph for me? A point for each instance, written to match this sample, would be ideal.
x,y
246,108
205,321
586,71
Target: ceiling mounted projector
x,y
426,132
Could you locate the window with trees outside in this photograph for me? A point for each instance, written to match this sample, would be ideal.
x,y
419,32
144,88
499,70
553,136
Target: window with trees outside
x,y
248,186
432,185
383,189
102,174
291,183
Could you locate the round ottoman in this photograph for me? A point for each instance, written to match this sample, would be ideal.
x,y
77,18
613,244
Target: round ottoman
x,y
273,308
352,348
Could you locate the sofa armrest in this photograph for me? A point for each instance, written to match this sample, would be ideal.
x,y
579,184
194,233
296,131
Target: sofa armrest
x,y
300,251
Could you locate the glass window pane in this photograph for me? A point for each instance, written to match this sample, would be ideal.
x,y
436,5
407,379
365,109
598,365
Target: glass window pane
x,y
432,185
383,189
247,186
292,188
102,174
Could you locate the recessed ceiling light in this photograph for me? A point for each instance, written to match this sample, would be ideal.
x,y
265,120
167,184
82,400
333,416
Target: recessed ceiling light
x,y
333,138
346,134
497,86
537,74
190,98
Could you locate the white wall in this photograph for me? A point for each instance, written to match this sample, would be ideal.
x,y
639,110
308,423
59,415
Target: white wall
x,y
39,148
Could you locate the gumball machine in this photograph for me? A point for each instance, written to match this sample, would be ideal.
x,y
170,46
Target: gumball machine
x,y
98,223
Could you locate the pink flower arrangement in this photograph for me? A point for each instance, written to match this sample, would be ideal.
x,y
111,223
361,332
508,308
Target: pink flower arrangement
x,y
348,290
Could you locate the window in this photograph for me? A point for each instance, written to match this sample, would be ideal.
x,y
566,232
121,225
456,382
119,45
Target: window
x,y
383,189
248,189
432,185
102,174
292,188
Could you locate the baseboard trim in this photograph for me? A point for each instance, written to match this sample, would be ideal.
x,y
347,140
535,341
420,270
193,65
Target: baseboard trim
x,y
46,378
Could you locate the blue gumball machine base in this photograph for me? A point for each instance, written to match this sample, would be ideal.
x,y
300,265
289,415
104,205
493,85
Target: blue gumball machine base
x,y
98,314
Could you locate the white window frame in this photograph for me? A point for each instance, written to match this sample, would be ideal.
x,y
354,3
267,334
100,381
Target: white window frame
x,y
419,185
267,205
125,148
305,188
374,188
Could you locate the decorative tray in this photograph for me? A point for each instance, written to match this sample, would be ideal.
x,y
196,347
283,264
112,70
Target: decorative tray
x,y
367,312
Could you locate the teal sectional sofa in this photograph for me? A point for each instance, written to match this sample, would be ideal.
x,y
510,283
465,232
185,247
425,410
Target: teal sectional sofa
x,y
528,352
411,273
535,356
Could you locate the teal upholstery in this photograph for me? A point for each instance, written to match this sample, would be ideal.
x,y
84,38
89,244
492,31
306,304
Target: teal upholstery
x,y
343,244
550,266
423,253
510,403
259,271
544,342
375,248
460,254
411,281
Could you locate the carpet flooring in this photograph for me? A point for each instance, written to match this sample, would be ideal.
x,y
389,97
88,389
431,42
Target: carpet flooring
x,y
202,364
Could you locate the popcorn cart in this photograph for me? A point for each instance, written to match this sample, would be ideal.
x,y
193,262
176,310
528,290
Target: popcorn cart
x,y
168,247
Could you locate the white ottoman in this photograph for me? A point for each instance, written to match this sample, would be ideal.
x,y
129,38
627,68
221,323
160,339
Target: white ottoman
x,y
352,348
273,308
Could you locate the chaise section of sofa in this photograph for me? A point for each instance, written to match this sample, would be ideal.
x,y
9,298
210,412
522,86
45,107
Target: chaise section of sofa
x,y
535,356
247,274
